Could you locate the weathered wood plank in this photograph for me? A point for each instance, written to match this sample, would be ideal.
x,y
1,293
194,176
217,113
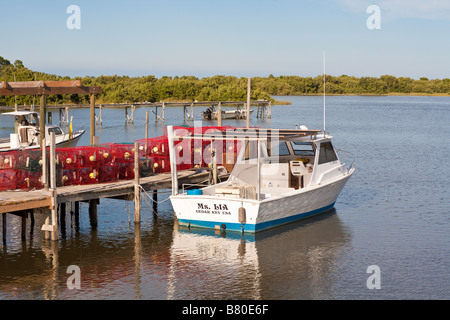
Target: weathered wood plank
x,y
13,206
46,87
11,201
122,188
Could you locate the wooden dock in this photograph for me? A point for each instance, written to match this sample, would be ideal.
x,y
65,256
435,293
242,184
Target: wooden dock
x,y
13,201
47,201
264,109
27,203
125,189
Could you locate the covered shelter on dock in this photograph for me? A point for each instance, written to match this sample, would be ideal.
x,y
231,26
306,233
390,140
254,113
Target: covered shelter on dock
x,y
44,88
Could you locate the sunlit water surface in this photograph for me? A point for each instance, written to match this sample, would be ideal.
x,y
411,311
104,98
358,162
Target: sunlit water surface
x,y
393,213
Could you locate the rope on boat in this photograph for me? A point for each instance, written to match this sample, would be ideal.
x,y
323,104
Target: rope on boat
x,y
168,198
151,198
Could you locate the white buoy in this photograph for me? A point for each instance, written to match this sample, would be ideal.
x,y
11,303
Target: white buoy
x,y
242,215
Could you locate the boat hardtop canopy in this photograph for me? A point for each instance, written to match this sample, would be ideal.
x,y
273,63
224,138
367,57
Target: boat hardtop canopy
x,y
25,118
259,134
19,113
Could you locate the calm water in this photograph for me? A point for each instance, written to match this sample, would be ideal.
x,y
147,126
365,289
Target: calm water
x,y
393,213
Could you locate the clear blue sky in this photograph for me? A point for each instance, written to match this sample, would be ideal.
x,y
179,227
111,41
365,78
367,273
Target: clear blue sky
x,y
230,37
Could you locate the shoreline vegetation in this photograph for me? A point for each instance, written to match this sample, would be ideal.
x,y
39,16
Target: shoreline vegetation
x,y
125,89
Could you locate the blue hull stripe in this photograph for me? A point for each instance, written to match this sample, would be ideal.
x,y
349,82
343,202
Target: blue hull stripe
x,y
253,227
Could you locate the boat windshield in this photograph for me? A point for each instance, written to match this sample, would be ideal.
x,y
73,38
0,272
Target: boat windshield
x,y
279,148
56,130
251,150
28,120
327,153
302,148
299,148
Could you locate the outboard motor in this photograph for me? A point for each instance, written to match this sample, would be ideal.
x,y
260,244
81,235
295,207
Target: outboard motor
x,y
209,113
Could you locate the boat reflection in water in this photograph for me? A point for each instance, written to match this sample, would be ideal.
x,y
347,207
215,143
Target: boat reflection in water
x,y
166,261
294,261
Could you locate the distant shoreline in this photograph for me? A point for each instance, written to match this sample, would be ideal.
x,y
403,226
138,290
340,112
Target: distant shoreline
x,y
287,102
368,94
418,94
119,89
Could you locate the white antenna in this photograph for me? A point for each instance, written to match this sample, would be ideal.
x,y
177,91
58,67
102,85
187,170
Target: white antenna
x,y
324,93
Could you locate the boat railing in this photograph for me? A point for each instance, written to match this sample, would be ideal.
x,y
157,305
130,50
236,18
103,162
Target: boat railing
x,y
345,152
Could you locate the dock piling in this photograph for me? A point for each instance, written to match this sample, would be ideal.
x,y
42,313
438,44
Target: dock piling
x,y
64,117
155,204
92,119
248,103
93,213
77,216
160,116
190,114
219,114
62,218
54,233
129,118
98,119
42,116
147,116
137,191
4,227
24,225
44,164
51,230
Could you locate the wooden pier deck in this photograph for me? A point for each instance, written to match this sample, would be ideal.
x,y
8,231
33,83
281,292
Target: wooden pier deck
x,y
264,109
13,201
46,201
125,189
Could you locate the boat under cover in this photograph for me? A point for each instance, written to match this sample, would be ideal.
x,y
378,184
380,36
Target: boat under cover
x,y
280,176
28,133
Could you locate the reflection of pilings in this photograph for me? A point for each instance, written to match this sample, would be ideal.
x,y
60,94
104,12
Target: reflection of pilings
x,y
4,228
77,216
51,253
24,215
52,229
54,233
31,215
137,191
24,223
155,204
137,260
62,218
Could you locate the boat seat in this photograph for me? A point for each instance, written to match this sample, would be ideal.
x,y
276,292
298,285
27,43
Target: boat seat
x,y
298,168
237,191
23,135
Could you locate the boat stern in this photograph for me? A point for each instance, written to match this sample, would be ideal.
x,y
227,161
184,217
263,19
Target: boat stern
x,y
215,212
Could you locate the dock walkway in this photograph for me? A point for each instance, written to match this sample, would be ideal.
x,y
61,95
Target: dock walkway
x,y
125,188
12,201
41,201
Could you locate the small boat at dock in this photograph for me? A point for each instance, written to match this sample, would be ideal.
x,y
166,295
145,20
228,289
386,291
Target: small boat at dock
x,y
280,176
212,114
28,133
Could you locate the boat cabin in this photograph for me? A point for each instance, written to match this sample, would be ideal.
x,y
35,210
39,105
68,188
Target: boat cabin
x,y
284,163
280,176
28,130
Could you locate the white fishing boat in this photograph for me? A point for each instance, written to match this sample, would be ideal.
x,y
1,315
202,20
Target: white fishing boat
x,y
211,114
28,133
280,176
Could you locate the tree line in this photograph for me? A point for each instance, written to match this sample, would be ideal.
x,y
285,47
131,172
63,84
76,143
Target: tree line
x,y
119,89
